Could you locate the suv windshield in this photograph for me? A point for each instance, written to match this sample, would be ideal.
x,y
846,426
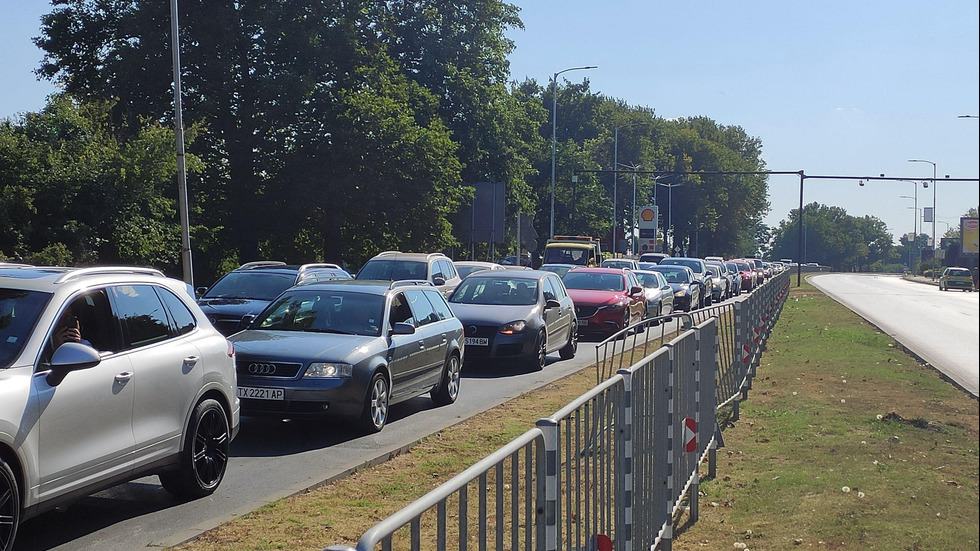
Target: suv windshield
x,y
324,311
19,311
251,285
393,270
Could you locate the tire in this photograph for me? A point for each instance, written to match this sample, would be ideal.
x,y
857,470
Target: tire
x,y
9,506
540,358
204,459
568,351
660,311
448,388
374,416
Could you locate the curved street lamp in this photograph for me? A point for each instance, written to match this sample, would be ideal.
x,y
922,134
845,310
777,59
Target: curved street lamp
x,y
554,125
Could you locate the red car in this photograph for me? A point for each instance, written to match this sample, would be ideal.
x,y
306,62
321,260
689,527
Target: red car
x,y
748,275
606,299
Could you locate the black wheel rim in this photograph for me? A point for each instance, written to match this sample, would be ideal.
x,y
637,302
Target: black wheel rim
x,y
211,448
542,351
8,512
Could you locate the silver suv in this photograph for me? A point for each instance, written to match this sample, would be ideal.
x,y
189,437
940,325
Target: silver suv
x,y
107,374
436,268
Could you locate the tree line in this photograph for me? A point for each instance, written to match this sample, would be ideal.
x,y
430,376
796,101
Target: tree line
x,y
327,131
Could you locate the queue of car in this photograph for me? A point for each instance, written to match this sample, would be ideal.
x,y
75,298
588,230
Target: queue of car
x,y
139,374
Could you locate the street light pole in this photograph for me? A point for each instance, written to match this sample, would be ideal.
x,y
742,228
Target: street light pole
x,y
554,126
670,215
934,213
185,235
616,180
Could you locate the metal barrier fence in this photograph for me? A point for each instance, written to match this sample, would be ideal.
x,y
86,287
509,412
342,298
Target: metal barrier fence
x,y
613,468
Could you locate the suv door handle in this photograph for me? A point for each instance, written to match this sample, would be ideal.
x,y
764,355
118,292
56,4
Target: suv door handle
x,y
123,377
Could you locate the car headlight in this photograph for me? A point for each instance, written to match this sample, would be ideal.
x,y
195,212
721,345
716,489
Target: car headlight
x,y
329,370
617,306
513,327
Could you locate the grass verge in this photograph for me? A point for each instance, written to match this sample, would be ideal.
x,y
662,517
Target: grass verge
x,y
845,442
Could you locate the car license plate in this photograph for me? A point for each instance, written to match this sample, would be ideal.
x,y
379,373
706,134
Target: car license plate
x,y
261,393
476,341
583,322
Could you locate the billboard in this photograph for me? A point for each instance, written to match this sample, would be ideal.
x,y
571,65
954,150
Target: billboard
x,y
970,233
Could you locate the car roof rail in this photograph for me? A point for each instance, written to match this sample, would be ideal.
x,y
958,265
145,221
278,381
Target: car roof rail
x,y
108,270
435,255
261,264
316,265
387,253
409,283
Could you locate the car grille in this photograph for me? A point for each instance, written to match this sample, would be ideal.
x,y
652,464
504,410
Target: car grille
x,y
585,311
279,370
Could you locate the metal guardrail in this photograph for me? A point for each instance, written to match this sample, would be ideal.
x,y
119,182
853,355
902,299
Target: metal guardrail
x,y
615,466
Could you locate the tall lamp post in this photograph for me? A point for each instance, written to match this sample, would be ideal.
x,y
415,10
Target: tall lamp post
x,y
934,213
185,235
554,126
615,178
915,225
670,214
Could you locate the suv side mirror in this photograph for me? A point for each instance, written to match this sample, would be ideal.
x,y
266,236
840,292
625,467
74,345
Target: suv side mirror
x,y
438,280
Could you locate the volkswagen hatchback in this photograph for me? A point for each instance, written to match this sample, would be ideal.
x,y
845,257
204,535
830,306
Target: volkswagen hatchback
x,y
106,375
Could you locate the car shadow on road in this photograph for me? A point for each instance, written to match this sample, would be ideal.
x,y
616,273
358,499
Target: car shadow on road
x,y
92,513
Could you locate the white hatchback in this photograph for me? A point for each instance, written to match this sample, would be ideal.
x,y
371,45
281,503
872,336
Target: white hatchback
x,y
107,374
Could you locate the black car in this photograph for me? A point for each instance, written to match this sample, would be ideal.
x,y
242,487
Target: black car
x,y
349,349
687,291
516,314
701,274
248,289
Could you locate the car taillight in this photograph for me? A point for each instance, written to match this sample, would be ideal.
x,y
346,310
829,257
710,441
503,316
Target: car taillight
x,y
231,349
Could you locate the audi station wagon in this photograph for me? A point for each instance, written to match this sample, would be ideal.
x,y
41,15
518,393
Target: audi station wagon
x,y
349,350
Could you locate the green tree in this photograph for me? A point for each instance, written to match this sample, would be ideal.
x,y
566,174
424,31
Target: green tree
x,y
76,190
833,238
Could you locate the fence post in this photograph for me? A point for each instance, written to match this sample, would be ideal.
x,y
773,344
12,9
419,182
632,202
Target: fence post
x,y
547,498
625,482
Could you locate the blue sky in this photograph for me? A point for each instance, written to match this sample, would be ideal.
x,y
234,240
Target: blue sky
x,y
831,88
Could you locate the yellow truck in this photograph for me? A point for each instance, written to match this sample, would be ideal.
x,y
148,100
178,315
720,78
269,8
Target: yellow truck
x,y
578,250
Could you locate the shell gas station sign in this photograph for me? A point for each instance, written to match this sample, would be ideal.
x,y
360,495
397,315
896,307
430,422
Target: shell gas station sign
x,y
647,227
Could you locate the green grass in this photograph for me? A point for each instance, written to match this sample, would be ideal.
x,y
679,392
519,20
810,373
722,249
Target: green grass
x,y
845,442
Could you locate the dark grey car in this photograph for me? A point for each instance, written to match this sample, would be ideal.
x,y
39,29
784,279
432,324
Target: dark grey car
x,y
518,315
349,349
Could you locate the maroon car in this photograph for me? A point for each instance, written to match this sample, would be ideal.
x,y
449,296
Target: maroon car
x,y
606,299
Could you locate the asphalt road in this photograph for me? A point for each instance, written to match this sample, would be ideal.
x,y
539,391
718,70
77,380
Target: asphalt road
x,y
274,459
941,328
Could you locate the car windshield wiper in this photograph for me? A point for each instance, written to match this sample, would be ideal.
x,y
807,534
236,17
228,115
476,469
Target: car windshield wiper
x,y
336,331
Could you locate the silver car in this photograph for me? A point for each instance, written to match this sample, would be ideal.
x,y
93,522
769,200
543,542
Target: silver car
x,y
659,294
106,375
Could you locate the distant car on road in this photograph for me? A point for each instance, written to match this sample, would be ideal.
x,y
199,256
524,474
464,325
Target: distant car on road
x,y
436,268
607,300
659,293
956,278
560,269
701,274
349,349
627,263
248,289
687,290
467,267
521,315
